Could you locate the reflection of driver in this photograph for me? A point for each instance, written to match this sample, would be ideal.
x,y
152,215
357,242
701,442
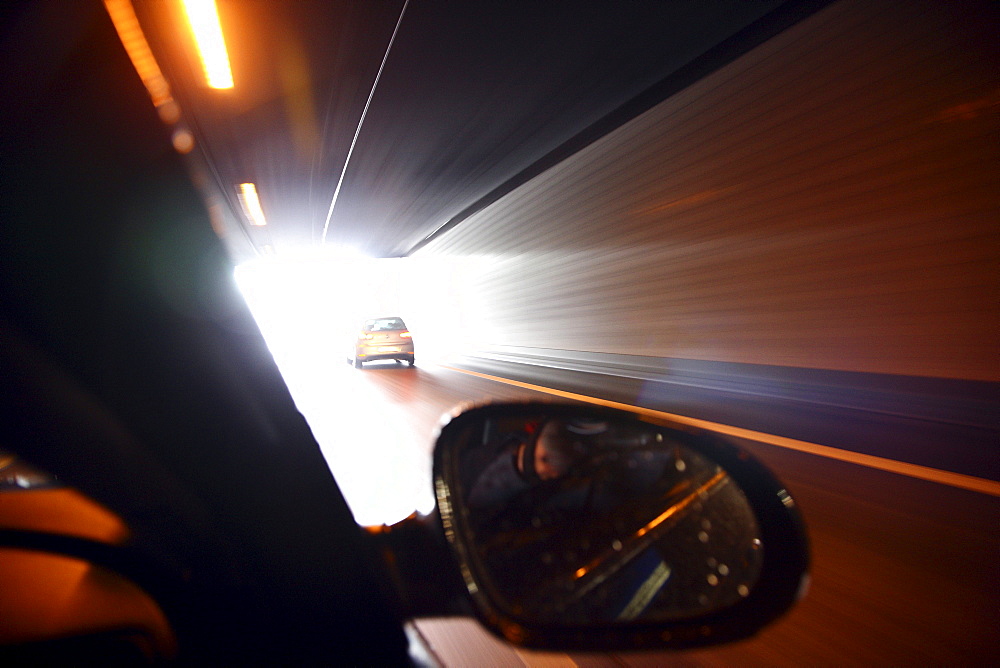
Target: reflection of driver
x,y
546,455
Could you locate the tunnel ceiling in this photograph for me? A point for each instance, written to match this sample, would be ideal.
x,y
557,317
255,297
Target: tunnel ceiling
x,y
471,94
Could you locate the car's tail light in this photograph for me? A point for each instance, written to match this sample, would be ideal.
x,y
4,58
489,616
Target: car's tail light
x,y
405,335
366,336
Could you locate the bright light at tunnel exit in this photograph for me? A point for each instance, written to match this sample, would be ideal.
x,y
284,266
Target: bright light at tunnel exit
x,y
301,304
308,306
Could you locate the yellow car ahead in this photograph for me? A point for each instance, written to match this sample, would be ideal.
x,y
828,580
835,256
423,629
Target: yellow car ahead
x,y
383,339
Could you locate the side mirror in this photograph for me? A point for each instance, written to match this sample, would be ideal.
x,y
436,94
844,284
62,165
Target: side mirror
x,y
585,527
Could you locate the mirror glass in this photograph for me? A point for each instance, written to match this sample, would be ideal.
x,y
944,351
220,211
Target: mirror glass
x,y
589,521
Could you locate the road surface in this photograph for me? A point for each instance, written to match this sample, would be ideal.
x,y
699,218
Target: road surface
x,y
905,571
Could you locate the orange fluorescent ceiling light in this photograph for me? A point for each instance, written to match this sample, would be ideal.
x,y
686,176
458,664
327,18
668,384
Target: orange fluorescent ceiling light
x,y
203,16
127,25
251,204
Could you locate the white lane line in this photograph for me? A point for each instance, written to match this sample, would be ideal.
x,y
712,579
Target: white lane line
x,y
959,480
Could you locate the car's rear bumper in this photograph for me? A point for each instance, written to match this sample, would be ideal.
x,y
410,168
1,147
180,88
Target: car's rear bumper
x,y
385,352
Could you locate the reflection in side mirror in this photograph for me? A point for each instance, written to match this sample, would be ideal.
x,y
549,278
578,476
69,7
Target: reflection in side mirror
x,y
592,527
580,523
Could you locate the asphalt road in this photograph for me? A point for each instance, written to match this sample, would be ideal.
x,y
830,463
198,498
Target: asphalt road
x,y
905,571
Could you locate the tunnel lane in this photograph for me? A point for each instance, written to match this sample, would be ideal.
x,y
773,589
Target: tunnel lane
x,y
904,569
959,480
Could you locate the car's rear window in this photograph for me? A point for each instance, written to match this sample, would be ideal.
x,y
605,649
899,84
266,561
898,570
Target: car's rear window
x,y
384,324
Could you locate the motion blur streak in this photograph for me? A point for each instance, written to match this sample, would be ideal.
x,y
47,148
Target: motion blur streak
x,y
296,82
959,480
203,17
127,25
826,201
361,121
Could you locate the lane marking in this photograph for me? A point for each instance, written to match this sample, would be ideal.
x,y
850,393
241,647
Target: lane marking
x,y
538,659
959,480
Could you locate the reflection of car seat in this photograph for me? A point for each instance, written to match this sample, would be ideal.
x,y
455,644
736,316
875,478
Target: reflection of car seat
x,y
586,427
604,435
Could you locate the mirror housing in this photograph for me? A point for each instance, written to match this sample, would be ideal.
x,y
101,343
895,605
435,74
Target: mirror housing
x,y
600,529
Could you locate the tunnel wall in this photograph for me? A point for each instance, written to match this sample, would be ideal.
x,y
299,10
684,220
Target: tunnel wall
x,y
830,200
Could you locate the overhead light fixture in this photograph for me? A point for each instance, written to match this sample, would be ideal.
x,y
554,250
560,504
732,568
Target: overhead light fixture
x,y
251,204
203,16
127,26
